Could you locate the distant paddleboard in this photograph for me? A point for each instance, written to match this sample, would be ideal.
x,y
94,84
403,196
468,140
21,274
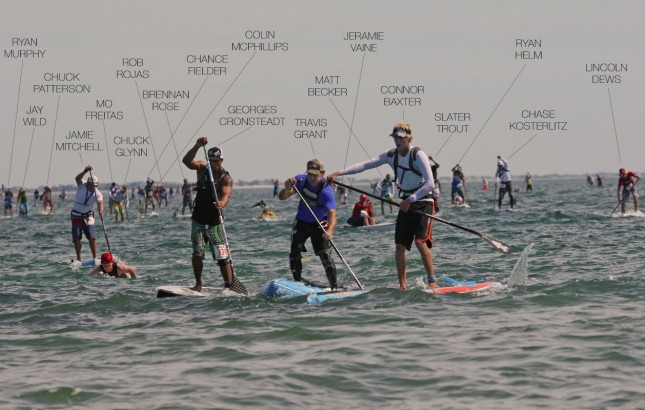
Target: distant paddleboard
x,y
385,226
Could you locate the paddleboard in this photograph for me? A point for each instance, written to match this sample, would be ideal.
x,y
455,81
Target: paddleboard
x,y
462,288
464,205
277,288
385,226
105,275
169,291
319,298
85,263
636,214
269,218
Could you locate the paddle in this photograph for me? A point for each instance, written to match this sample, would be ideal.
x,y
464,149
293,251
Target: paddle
x,y
330,241
236,285
102,222
612,212
496,243
126,204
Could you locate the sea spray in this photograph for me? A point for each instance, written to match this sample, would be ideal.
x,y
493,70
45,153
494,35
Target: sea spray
x,y
520,272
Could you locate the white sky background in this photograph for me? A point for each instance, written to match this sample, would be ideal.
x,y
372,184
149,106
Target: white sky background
x,y
461,52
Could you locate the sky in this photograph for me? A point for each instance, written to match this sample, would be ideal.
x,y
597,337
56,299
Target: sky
x,y
555,87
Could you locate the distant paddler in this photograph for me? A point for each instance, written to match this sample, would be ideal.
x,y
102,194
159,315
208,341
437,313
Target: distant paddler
x,y
503,180
458,186
87,195
627,187
48,199
118,199
8,201
23,202
268,214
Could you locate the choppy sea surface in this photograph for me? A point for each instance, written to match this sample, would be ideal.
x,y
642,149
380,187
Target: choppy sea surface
x,y
568,335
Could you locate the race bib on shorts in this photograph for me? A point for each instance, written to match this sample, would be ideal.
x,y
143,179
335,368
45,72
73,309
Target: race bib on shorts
x,y
221,252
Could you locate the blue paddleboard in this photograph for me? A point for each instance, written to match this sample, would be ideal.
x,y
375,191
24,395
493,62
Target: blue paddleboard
x,y
277,288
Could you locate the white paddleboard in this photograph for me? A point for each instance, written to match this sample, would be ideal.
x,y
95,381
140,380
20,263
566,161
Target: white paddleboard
x,y
633,214
85,263
169,291
385,226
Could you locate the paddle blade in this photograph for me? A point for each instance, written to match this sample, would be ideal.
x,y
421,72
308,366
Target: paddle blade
x,y
238,287
497,244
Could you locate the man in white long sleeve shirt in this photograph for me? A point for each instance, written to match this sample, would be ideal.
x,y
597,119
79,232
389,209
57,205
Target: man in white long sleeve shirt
x,y
414,176
503,180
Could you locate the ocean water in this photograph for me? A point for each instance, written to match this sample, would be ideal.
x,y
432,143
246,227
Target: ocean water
x,y
566,333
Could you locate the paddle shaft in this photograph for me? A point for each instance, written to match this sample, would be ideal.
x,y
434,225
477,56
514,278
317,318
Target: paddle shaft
x,y
101,215
485,237
126,204
330,241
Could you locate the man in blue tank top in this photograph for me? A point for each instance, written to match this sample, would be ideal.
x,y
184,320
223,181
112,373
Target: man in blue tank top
x,y
320,198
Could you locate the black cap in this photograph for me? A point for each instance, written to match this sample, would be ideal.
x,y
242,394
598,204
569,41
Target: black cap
x,y
215,153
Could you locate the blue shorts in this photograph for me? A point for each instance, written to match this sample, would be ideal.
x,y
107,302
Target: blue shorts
x,y
79,227
630,190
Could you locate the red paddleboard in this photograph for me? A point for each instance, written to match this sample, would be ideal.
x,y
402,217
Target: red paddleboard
x,y
467,288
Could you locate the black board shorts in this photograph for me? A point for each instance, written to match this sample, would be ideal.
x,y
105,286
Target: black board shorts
x,y
411,226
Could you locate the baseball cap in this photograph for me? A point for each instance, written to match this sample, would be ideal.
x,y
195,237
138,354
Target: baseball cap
x,y
215,153
107,258
622,171
363,196
315,166
93,180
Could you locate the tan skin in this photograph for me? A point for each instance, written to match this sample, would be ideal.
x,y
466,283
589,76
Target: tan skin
x,y
77,243
314,180
403,146
227,192
123,270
